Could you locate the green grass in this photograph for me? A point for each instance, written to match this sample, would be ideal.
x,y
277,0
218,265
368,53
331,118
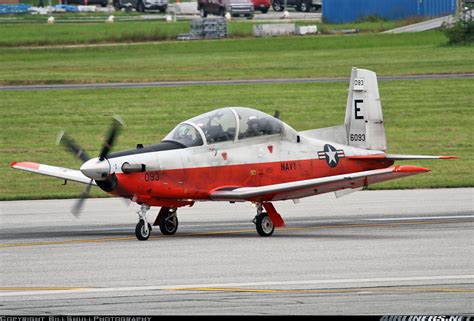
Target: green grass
x,y
288,57
421,117
90,28
14,35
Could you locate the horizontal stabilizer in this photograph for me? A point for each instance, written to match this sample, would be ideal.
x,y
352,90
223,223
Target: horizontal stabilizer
x,y
410,157
54,171
399,157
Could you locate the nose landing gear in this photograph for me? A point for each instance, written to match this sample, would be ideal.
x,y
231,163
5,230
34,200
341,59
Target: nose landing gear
x,y
143,228
167,220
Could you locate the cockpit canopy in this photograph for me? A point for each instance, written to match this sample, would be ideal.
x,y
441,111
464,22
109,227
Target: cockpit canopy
x,y
227,124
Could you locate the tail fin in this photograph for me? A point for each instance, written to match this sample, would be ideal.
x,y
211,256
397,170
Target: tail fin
x,y
364,119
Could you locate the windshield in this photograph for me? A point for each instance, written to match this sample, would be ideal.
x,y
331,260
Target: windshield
x,y
185,134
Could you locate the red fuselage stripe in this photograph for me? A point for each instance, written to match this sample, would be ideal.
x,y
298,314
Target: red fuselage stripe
x,y
198,183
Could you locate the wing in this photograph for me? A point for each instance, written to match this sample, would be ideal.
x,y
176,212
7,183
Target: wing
x,y
305,188
54,171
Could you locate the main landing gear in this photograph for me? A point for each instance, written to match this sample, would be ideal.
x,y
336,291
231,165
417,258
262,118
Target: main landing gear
x,y
265,222
167,220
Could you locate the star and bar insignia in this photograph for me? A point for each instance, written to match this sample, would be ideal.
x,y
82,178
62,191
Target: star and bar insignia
x,y
331,155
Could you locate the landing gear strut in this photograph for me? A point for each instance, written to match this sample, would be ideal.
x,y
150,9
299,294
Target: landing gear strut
x,y
263,222
143,228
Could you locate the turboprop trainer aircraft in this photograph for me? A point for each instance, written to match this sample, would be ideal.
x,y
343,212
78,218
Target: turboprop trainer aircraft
x,y
238,154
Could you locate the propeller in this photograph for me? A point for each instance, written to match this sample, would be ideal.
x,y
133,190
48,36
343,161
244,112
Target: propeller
x,y
95,168
71,146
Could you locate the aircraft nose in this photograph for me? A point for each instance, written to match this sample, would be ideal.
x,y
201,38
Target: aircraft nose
x,y
96,169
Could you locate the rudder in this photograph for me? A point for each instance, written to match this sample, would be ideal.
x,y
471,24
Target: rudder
x,y
364,119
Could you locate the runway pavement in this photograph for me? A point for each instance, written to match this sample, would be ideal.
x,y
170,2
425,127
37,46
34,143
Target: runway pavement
x,y
370,252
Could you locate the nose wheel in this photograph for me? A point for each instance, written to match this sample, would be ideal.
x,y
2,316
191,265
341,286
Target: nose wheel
x,y
143,228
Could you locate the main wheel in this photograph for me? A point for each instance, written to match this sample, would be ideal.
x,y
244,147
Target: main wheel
x,y
203,13
264,225
140,231
168,223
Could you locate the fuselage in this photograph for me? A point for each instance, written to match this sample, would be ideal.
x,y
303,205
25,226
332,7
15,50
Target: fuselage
x,y
181,176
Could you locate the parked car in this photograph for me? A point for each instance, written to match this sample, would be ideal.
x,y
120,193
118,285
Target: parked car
x,y
141,5
262,5
102,3
221,7
299,5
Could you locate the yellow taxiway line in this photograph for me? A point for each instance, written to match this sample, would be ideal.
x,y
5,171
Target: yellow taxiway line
x,y
341,226
349,290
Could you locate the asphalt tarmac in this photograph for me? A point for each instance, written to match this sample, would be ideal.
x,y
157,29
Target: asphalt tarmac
x,y
370,252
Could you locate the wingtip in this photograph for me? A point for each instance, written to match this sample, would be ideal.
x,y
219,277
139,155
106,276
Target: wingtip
x,y
448,157
410,169
22,165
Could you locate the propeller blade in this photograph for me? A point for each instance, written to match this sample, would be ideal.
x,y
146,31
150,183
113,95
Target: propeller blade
x,y
72,147
114,131
77,208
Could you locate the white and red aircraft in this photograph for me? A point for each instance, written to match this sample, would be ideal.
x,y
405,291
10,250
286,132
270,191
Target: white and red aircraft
x,y
238,154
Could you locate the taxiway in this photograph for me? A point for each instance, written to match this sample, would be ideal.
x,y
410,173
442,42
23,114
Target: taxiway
x,y
370,252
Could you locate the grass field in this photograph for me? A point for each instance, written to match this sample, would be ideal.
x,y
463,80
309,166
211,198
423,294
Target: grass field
x,y
91,29
286,57
421,117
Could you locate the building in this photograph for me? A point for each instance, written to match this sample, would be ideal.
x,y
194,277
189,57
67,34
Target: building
x,y
344,11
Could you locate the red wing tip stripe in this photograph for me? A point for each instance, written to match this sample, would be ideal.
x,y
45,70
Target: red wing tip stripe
x,y
448,157
410,169
29,165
